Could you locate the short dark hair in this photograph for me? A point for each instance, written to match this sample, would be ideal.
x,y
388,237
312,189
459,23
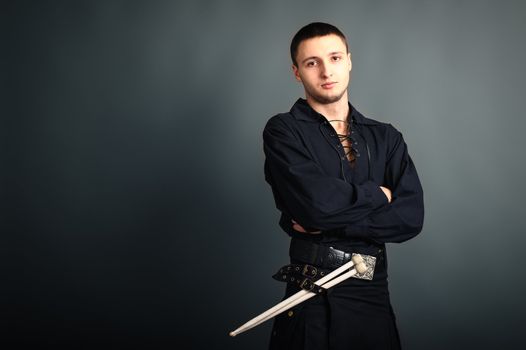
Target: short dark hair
x,y
313,30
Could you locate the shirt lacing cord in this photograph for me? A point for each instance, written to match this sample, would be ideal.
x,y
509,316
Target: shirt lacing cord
x,y
351,153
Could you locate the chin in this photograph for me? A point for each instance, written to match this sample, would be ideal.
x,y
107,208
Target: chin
x,y
326,99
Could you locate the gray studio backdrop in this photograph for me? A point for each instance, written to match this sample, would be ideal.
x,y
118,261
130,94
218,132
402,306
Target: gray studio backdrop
x,y
137,211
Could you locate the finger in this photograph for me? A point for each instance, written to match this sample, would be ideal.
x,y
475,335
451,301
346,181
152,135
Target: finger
x,y
298,228
302,230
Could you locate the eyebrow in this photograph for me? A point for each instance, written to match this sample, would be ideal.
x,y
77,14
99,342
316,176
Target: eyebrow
x,y
330,54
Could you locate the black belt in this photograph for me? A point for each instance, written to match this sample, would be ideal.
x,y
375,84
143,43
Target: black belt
x,y
303,276
317,254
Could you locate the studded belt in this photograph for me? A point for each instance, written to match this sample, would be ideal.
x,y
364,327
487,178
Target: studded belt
x,y
303,276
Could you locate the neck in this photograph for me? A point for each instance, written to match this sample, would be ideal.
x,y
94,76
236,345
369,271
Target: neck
x,y
335,110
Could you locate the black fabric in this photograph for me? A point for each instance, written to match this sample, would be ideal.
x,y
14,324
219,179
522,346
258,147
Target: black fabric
x,y
346,317
314,185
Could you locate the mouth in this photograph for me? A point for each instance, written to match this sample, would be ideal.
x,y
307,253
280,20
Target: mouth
x,y
328,85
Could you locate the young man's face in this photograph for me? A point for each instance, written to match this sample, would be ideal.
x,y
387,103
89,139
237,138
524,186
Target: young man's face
x,y
323,68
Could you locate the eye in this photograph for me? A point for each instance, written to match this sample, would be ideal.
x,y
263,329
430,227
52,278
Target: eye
x,y
311,63
336,58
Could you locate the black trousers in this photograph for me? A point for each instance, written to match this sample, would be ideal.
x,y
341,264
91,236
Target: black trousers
x,y
355,314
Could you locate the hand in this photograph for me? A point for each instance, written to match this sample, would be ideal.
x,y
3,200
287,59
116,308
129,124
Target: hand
x,y
300,228
387,193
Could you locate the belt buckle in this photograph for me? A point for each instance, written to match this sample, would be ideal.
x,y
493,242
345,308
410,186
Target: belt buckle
x,y
312,269
307,284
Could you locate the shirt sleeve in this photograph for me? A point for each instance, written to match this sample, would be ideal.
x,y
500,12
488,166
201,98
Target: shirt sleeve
x,y
403,218
303,191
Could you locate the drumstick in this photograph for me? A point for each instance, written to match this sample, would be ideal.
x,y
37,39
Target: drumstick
x,y
326,282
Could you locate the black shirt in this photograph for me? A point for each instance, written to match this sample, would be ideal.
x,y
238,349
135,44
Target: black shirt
x,y
313,182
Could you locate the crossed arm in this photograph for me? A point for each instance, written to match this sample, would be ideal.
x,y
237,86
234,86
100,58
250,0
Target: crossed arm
x,y
390,212
301,229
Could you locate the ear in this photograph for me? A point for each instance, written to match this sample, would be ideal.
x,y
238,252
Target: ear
x,y
350,61
296,73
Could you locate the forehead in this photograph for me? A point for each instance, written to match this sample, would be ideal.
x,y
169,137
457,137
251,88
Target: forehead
x,y
321,46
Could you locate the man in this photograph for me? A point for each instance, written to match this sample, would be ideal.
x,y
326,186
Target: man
x,y
344,184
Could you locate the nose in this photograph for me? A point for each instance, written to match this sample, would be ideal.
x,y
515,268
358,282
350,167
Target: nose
x,y
325,70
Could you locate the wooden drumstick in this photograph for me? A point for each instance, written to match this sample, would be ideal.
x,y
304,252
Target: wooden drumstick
x,y
326,282
359,268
